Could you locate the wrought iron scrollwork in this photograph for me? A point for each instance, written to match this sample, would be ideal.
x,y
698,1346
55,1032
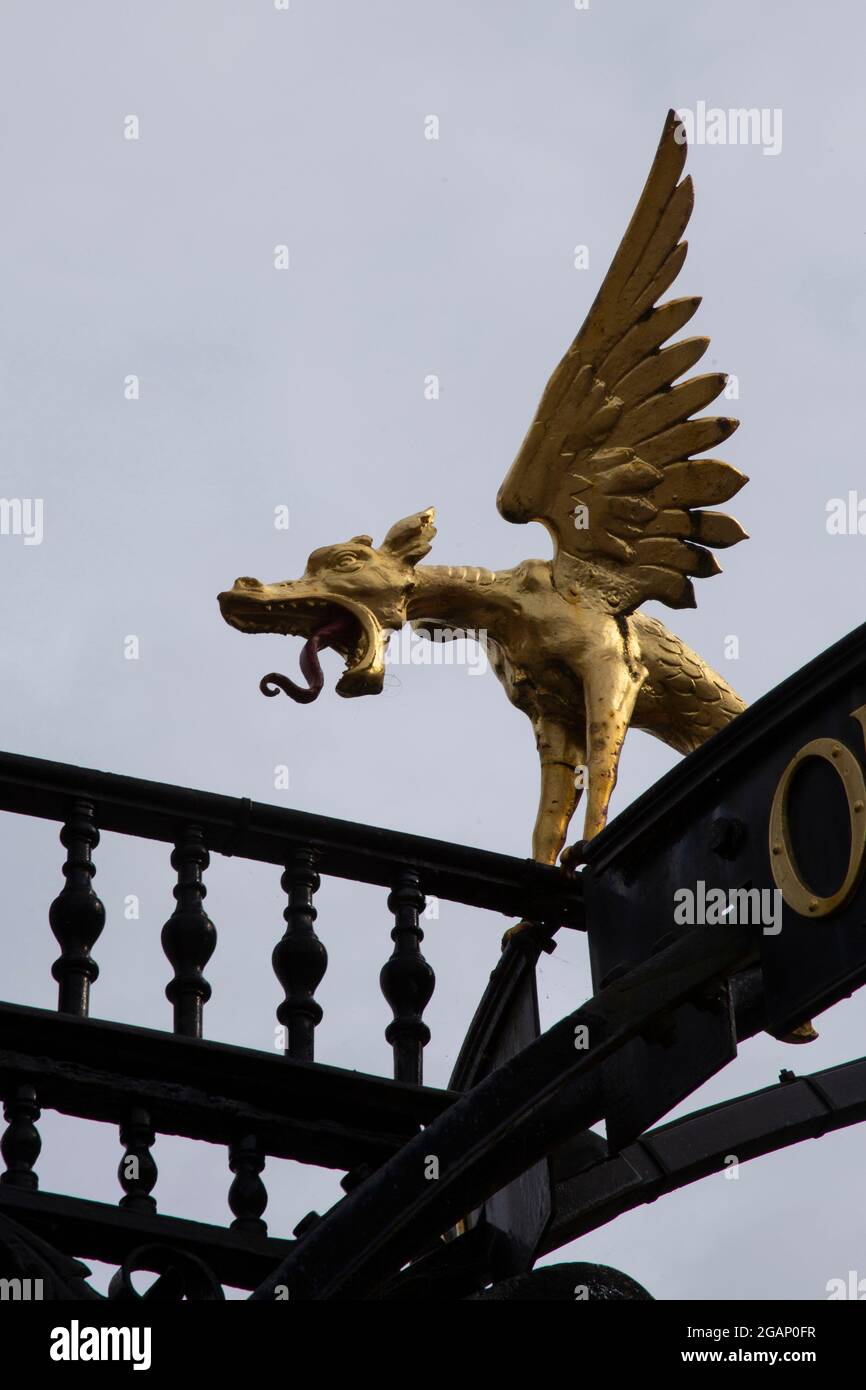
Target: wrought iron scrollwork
x,y
181,1276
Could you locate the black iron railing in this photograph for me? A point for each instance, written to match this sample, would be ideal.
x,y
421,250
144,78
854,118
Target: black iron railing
x,y
512,1135
256,1104
305,847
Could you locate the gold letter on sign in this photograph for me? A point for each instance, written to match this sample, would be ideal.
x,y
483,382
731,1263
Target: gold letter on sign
x,y
786,874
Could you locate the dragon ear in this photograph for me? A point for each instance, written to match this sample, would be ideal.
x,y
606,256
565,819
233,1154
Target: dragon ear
x,y
411,538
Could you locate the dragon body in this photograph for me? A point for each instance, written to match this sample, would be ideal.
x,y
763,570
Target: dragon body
x,y
612,466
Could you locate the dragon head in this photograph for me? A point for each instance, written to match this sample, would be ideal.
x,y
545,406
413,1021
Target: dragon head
x,y
351,597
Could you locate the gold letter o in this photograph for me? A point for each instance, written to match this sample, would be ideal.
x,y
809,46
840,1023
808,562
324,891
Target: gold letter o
x,y
783,865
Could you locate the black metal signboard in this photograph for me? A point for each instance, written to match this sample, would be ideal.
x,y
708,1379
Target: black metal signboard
x,y
764,826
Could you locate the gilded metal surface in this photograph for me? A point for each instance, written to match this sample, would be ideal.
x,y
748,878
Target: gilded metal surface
x,y
608,468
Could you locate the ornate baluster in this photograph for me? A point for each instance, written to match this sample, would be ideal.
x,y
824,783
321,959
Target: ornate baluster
x,y
21,1142
76,915
299,958
189,936
247,1195
407,980
137,1171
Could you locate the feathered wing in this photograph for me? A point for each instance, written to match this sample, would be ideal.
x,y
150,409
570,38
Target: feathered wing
x,y
608,462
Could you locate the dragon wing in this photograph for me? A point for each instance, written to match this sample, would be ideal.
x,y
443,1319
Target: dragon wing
x,y
607,464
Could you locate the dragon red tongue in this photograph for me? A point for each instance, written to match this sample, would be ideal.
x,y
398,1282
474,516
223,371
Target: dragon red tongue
x,y
311,670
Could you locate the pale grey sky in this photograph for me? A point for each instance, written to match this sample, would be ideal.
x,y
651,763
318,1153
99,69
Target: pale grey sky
x,y
305,388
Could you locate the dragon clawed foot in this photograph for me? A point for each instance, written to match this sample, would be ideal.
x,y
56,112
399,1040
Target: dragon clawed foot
x,y
573,855
806,1033
529,934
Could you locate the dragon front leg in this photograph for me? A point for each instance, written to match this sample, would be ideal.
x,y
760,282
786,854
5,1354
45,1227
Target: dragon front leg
x,y
561,752
611,689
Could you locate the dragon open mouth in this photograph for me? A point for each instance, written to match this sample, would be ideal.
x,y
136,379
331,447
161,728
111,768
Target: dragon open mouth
x,y
341,631
345,626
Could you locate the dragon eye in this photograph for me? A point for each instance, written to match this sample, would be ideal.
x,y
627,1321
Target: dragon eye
x,y
348,561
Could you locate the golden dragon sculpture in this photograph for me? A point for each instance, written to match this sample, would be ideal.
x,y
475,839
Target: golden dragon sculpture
x,y
609,467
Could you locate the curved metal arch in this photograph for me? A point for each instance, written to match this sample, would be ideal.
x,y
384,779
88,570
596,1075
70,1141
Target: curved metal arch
x,y
682,1152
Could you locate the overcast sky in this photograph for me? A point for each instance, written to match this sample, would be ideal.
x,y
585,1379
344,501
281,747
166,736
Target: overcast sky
x,y
304,388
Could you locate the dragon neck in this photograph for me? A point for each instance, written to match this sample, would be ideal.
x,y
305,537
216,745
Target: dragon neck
x,y
462,596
